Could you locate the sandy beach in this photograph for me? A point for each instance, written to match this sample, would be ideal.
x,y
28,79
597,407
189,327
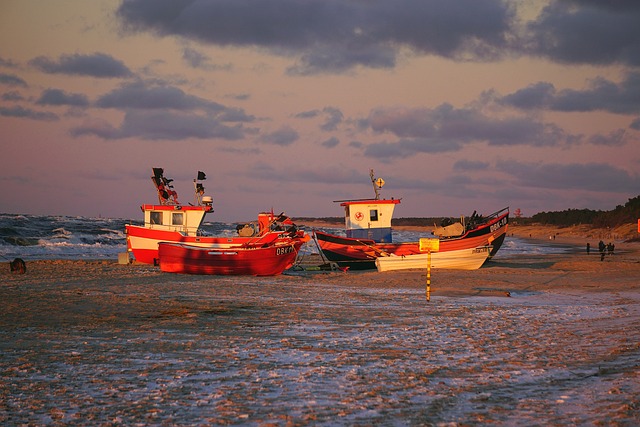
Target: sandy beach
x,y
529,340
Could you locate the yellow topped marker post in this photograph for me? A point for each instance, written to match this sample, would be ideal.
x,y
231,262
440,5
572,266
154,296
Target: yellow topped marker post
x,y
429,245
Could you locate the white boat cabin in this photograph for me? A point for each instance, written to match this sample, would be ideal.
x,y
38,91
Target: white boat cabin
x,y
184,219
369,219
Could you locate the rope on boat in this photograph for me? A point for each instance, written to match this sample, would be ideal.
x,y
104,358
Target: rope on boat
x,y
380,251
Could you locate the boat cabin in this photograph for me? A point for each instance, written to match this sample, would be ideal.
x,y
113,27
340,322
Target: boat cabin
x,y
369,219
184,219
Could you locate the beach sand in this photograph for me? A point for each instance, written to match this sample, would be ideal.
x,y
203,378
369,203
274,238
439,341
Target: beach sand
x,y
533,340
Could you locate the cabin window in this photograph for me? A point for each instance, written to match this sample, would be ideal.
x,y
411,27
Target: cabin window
x,y
373,214
156,218
176,218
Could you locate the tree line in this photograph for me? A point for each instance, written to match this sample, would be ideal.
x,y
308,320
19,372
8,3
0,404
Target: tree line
x,y
629,213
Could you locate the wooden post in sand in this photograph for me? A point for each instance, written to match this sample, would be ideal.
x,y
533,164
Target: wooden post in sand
x,y
429,245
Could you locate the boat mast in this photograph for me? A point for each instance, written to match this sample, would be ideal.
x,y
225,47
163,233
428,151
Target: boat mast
x,y
375,187
377,184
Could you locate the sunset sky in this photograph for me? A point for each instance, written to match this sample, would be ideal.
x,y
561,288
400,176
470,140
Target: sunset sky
x,y
287,104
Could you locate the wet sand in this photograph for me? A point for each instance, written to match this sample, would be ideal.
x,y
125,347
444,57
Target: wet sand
x,y
533,340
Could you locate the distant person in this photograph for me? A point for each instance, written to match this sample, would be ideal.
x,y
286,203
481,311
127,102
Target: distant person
x,y
588,248
601,248
610,247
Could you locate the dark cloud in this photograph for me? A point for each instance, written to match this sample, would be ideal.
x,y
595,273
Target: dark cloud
x,y
59,97
27,113
12,96
196,59
162,125
601,95
587,32
331,142
100,128
613,139
599,177
469,165
332,35
283,136
445,129
307,114
152,96
95,65
333,118
12,80
7,63
536,96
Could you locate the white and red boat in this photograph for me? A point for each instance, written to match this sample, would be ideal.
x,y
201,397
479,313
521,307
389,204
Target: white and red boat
x,y
250,260
170,221
461,259
369,234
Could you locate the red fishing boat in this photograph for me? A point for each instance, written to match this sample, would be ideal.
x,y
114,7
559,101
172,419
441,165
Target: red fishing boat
x,y
369,234
170,221
249,260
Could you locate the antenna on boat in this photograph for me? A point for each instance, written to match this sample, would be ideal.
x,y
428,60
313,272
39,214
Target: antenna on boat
x,y
200,198
377,184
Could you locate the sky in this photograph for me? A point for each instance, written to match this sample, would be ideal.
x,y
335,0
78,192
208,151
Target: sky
x,y
459,105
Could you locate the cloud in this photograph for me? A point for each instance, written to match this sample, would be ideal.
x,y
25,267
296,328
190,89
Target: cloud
x,y
283,136
446,129
96,127
12,96
601,95
599,177
331,142
7,63
333,118
535,96
12,80
586,32
308,114
613,139
95,65
332,35
196,59
153,96
59,97
469,165
27,113
162,125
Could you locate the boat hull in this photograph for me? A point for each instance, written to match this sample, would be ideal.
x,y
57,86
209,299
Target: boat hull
x,y
143,242
361,254
462,259
271,260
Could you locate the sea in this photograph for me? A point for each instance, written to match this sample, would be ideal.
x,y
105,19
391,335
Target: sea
x,y
39,237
